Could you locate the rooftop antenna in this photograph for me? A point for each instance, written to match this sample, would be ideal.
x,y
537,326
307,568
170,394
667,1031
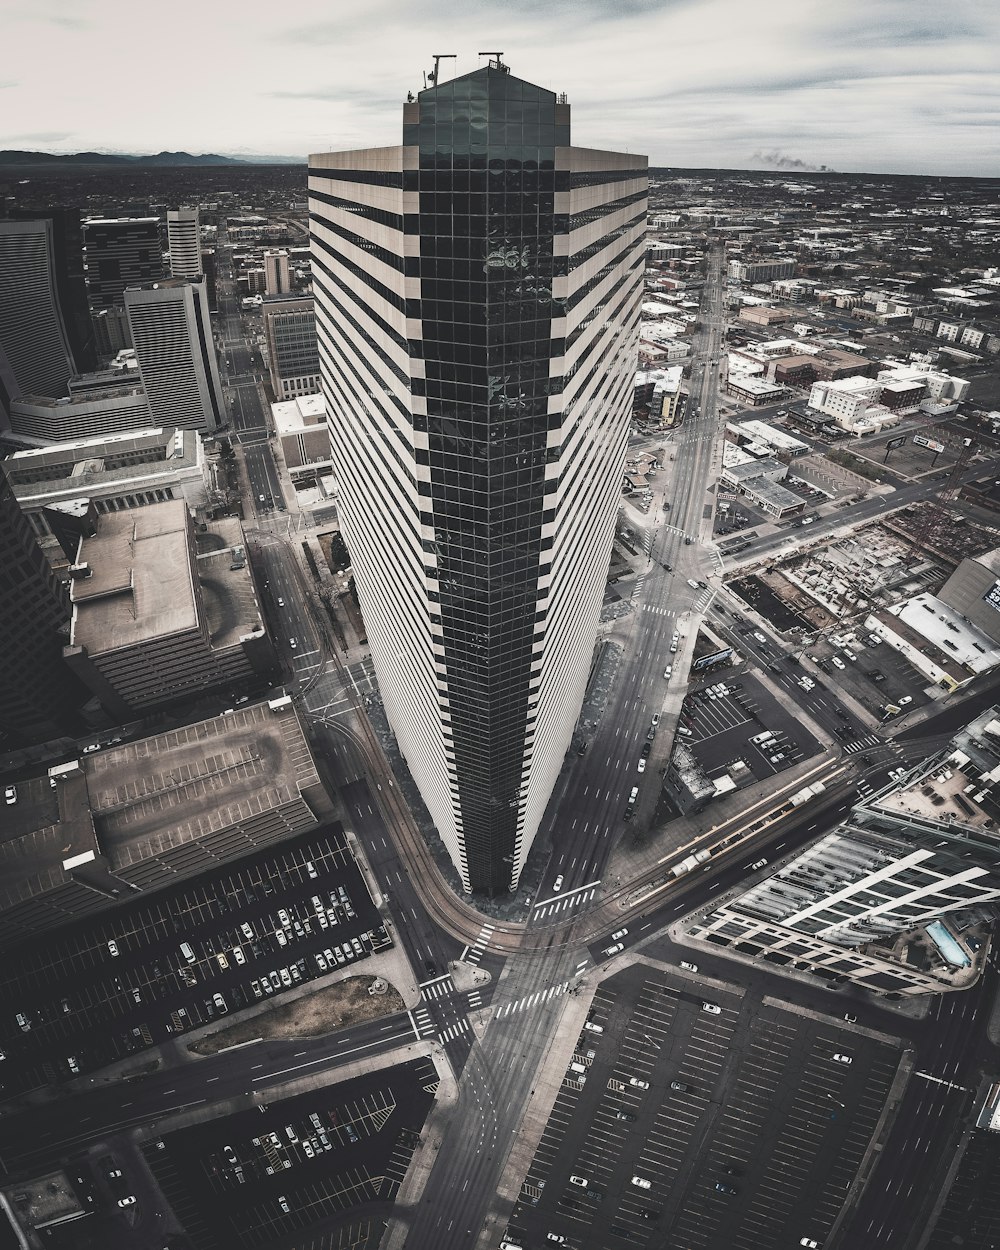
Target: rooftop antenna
x,y
436,71
495,62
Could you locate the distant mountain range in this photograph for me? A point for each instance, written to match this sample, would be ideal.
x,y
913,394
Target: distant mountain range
x,y
9,157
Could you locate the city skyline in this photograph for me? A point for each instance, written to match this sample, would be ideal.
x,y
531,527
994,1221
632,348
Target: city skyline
x,y
717,85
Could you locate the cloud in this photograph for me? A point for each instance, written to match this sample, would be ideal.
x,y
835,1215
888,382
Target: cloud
x,y
904,86
45,136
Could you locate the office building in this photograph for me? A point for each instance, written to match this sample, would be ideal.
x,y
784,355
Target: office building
x,y
172,337
900,896
35,354
156,619
477,302
120,252
750,271
113,472
38,695
276,279
71,282
292,348
184,243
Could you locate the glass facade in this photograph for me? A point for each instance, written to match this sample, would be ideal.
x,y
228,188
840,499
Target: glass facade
x,y
477,297
486,204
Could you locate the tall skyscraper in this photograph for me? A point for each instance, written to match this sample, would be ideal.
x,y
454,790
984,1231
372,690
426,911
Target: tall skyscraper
x,y
172,338
477,303
184,242
276,279
120,252
38,694
35,355
71,283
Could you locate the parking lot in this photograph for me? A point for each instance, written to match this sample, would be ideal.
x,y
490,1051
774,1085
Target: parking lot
x,y
92,994
701,1117
877,676
252,1178
745,724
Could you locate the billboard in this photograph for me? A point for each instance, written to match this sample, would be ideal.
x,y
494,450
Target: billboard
x,y
896,442
992,596
929,443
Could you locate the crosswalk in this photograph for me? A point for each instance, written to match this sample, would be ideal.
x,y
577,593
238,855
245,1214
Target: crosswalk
x,y
475,1000
455,1030
422,1023
658,611
531,1000
439,988
563,904
869,740
472,954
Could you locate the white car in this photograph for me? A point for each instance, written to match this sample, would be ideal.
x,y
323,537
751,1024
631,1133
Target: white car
x,y
713,1009
281,602
557,884
837,662
839,1058
808,1241
247,932
640,1182
10,794
619,933
238,955
637,1083
614,949
907,698
760,863
578,1180
127,1201
292,643
112,946
641,767
688,967
654,720
850,654
668,671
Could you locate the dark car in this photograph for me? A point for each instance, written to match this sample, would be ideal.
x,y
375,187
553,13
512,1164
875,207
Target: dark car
x,y
646,748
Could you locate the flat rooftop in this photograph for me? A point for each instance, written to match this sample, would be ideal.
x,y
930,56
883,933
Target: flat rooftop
x,y
134,801
141,583
181,785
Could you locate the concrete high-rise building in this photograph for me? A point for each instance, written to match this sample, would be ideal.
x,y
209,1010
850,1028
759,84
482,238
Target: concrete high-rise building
x,y
276,279
292,350
184,243
477,302
38,694
35,354
900,896
172,338
71,283
120,252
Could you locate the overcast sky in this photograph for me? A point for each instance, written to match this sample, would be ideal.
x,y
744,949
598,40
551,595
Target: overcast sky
x,y
904,86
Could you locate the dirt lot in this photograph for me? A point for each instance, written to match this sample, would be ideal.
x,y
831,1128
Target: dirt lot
x,y
325,1011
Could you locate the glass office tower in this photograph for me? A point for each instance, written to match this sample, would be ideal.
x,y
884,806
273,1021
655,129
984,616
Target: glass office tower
x,y
477,297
